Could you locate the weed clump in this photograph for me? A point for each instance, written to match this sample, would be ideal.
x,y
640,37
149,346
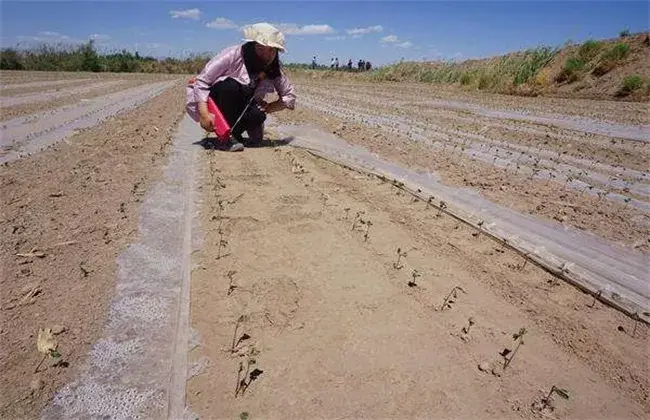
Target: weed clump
x,y
630,84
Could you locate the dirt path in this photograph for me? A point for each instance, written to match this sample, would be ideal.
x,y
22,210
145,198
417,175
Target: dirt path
x,y
592,182
70,211
335,330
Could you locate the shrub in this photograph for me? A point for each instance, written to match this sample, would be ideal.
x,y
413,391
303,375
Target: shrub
x,y
571,71
630,84
466,79
617,52
589,50
611,58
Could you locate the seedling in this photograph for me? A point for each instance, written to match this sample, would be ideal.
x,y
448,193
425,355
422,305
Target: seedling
x,y
442,206
400,254
451,297
368,224
636,322
522,266
547,402
415,274
241,319
470,322
597,296
519,338
231,287
243,384
46,344
356,219
222,244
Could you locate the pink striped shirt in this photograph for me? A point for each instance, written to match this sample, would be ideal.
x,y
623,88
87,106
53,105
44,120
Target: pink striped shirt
x,y
230,63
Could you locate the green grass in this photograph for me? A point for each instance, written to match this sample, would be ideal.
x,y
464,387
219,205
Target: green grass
x,y
498,74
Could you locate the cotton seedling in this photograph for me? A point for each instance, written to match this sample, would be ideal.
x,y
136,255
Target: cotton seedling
x,y
47,345
519,338
596,296
415,274
357,218
368,223
546,402
442,206
636,322
451,297
470,323
231,286
400,254
236,342
249,376
221,244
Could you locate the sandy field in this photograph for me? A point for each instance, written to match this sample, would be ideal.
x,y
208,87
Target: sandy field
x,y
183,282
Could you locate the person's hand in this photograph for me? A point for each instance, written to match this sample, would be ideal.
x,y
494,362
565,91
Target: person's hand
x,y
272,107
206,122
263,105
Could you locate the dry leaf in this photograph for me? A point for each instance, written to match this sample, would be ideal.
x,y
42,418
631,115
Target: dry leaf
x,y
45,342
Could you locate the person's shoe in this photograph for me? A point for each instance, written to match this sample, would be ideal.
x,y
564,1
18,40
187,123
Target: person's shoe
x,y
234,146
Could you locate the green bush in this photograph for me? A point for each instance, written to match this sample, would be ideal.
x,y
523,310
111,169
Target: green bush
x,y
630,84
617,52
589,50
466,79
611,58
571,71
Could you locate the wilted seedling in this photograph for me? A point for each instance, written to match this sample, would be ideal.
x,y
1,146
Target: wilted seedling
x,y
356,219
47,345
470,323
368,223
236,342
451,297
596,296
222,244
400,254
519,338
636,322
546,402
231,286
415,274
442,206
242,383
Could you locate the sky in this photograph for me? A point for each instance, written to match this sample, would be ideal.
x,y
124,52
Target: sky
x,y
380,31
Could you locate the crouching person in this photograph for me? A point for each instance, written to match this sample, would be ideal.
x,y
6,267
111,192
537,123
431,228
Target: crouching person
x,y
237,79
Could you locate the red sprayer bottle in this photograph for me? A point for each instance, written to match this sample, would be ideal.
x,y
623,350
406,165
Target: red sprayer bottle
x,y
221,126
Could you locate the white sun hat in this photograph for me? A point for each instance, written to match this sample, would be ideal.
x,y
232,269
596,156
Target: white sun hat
x,y
265,34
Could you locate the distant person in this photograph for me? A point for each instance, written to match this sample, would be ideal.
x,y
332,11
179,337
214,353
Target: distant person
x,y
350,64
236,75
313,63
368,66
336,63
332,64
360,65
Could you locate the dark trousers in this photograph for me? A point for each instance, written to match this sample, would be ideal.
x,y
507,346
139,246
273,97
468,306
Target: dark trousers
x,y
231,98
